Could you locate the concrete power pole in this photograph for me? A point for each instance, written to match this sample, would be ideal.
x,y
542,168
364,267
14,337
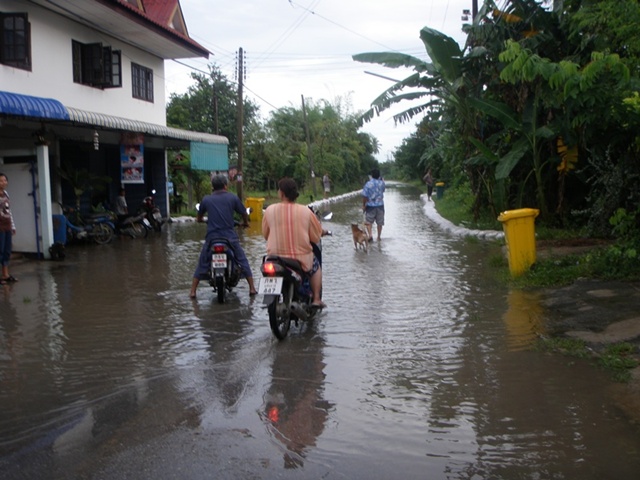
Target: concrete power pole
x,y
240,122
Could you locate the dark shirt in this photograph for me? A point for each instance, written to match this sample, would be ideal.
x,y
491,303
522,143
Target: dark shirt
x,y
219,208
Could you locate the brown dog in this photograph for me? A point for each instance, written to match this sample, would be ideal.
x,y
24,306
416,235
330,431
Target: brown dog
x,y
360,237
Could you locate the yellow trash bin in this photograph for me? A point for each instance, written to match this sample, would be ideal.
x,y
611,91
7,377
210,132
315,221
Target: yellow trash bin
x,y
255,204
519,232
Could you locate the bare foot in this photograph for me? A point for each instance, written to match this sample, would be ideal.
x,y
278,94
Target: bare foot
x,y
192,294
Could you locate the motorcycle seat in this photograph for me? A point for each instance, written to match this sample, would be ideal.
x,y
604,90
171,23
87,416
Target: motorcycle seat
x,y
287,262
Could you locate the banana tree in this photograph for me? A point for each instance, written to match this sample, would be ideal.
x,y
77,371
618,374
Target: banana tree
x,y
439,82
530,138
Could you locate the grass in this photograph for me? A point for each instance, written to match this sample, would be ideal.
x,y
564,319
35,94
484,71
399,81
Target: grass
x,y
611,262
617,359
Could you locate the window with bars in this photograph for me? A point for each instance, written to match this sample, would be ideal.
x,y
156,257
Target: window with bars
x,y
15,40
96,65
142,81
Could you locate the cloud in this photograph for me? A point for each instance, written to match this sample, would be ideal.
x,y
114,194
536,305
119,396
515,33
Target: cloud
x,y
305,47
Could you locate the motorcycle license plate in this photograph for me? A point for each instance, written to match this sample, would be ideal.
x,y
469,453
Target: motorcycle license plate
x,y
157,216
219,260
270,286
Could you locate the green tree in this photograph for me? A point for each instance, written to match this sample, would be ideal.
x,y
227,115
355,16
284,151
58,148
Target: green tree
x,y
210,105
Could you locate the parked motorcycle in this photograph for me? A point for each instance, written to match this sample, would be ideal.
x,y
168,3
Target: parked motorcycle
x,y
153,212
97,227
136,226
225,269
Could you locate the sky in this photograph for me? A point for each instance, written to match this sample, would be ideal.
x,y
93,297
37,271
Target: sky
x,y
295,48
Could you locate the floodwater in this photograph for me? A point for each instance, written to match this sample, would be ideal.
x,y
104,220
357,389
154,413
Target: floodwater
x,y
421,367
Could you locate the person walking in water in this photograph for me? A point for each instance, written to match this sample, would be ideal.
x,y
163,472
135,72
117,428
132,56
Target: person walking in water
x,y
428,180
7,231
373,203
326,183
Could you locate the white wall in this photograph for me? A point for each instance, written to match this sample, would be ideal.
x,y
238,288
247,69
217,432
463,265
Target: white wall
x,y
20,189
52,71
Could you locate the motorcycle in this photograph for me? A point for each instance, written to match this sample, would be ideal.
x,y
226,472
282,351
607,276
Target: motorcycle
x,y
153,212
97,227
287,292
225,269
136,226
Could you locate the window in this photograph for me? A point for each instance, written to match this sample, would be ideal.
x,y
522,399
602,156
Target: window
x,y
142,80
15,40
96,65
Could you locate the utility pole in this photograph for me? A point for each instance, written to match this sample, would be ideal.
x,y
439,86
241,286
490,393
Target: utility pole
x,y
306,129
214,101
240,123
474,9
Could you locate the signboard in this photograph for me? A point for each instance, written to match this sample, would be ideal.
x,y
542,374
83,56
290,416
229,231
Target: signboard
x,y
132,158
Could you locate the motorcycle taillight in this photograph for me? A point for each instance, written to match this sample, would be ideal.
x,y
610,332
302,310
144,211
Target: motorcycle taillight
x,y
270,269
219,249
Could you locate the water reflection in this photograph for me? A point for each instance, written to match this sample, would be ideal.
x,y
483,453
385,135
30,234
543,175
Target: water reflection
x,y
294,409
524,319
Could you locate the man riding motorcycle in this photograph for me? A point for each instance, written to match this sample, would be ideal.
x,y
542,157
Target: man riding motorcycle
x,y
219,207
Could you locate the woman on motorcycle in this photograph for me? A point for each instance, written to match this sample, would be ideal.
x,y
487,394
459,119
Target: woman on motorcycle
x,y
290,229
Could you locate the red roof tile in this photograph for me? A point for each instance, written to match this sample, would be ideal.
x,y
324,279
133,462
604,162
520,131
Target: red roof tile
x,y
164,13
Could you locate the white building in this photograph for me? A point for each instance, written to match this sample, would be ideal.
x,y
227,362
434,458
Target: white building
x,y
82,90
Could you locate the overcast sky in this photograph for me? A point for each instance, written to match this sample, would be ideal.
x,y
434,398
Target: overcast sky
x,y
304,47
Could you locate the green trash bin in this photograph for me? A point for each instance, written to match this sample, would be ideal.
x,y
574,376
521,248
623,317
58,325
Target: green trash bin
x,y
439,190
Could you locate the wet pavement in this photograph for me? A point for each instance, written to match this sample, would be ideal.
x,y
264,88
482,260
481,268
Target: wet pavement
x,y
421,367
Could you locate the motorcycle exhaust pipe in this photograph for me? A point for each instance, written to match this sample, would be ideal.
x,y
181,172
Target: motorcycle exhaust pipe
x,y
299,311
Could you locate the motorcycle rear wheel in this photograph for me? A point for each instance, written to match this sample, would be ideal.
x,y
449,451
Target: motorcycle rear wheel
x,y
102,233
138,231
220,289
280,314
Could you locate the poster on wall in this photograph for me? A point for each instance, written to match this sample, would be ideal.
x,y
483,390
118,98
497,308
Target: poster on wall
x,y
132,158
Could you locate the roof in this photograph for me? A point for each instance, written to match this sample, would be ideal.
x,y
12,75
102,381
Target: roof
x,y
155,26
26,106
118,123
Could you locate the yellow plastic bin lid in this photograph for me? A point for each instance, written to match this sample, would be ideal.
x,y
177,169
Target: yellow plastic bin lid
x,y
519,213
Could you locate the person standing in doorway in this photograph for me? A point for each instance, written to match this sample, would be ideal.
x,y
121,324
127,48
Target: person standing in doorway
x,y
373,203
326,183
428,180
122,211
7,230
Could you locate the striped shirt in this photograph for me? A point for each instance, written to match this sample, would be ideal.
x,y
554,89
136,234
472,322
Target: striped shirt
x,y
289,229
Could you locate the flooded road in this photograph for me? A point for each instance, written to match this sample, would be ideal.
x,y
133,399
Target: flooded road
x,y
421,367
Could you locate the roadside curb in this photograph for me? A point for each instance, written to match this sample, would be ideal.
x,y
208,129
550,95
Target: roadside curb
x,y
431,212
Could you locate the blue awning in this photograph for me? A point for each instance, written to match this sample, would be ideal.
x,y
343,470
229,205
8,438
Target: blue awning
x,y
35,107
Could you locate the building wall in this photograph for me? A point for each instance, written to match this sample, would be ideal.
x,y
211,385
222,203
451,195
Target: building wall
x,y
52,69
